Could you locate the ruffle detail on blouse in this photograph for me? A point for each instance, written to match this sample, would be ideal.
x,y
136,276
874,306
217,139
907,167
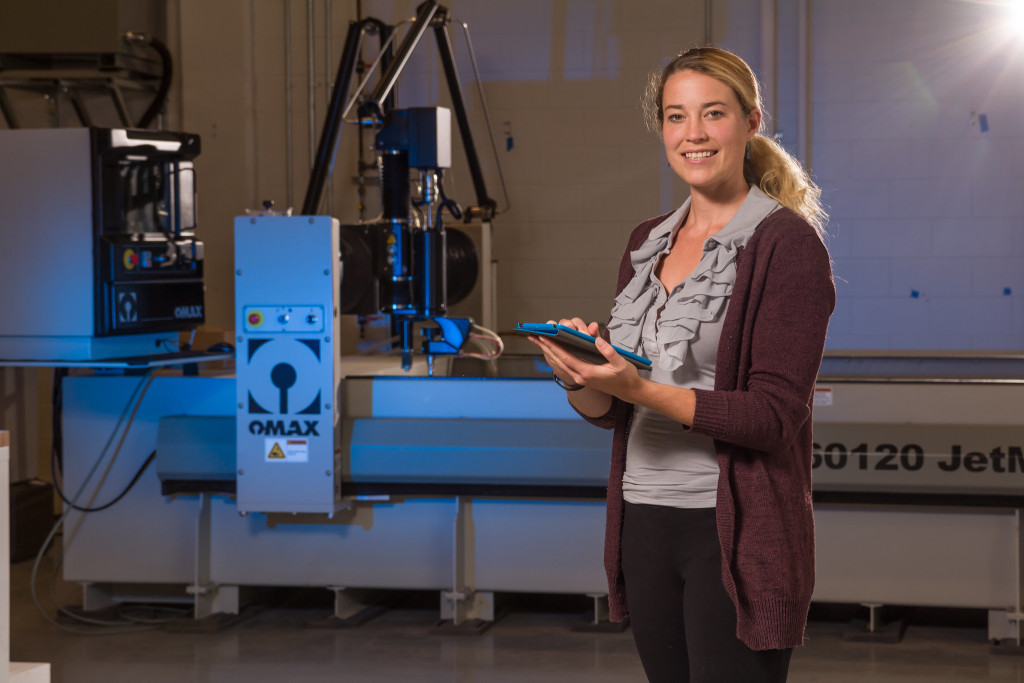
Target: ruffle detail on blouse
x,y
634,301
702,300
704,296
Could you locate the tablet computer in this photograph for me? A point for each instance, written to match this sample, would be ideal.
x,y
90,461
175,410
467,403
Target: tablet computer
x,y
578,343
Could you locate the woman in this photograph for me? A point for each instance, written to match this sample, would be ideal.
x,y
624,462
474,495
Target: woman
x,y
710,528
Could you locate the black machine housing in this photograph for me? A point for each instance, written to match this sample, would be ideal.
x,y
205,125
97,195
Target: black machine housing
x,y
148,262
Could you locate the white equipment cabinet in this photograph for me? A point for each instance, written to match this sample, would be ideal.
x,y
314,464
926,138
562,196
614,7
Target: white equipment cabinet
x,y
15,672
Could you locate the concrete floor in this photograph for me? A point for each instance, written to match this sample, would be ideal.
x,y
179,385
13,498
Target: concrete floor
x,y
532,643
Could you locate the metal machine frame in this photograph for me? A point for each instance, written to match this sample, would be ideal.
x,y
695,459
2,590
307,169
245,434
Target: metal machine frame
x,y
376,111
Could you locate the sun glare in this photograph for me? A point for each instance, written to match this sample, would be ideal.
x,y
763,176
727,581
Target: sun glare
x,y
1014,17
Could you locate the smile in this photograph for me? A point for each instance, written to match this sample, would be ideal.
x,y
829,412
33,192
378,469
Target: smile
x,y
699,155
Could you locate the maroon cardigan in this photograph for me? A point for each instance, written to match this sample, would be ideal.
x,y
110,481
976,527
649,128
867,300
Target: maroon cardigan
x,y
759,415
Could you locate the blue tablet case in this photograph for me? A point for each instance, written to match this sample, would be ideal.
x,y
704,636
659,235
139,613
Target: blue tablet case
x,y
579,343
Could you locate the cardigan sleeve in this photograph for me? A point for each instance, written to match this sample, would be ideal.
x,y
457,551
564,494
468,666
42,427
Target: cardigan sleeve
x,y
786,324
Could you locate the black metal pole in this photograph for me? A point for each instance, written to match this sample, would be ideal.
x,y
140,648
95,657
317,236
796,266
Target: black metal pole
x,y
387,81
333,121
384,32
7,111
444,47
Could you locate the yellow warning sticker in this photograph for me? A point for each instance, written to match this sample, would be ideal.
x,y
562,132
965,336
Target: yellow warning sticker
x,y
290,450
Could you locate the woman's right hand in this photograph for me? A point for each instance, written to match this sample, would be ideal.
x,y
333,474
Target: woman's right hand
x,y
576,324
567,368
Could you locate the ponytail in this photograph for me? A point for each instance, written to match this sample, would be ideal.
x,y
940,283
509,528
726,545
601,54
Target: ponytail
x,y
783,178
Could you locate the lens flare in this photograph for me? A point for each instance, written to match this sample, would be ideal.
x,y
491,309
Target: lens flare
x,y
1015,17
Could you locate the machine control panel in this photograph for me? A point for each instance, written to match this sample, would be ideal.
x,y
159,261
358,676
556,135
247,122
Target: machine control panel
x,y
283,318
141,257
287,366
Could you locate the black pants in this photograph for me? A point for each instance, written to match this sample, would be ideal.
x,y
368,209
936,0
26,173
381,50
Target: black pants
x,y
684,623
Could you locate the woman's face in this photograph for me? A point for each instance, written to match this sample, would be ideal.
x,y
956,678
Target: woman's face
x,y
706,132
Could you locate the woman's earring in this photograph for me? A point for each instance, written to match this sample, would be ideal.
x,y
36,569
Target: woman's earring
x,y
750,151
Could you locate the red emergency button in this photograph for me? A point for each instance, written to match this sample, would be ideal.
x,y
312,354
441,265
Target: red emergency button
x,y
130,258
255,319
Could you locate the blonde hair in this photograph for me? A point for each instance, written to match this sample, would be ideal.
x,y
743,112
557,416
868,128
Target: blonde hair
x,y
768,166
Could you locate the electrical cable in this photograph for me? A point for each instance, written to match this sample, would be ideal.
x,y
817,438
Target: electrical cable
x,y
134,400
124,492
126,613
113,459
453,207
57,400
166,74
484,335
57,458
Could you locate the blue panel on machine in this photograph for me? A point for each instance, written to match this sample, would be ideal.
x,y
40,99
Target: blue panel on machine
x,y
526,452
196,448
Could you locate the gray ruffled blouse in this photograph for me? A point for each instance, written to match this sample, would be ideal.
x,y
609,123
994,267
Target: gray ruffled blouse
x,y
701,297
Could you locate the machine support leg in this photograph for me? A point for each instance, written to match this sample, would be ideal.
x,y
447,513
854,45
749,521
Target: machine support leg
x,y
875,629
1005,629
96,597
600,607
345,605
210,598
463,605
598,622
874,625
351,610
1017,613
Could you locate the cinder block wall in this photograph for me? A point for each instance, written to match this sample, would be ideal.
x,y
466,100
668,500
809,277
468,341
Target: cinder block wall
x,y
927,206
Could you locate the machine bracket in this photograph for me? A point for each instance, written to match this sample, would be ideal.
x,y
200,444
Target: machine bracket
x,y
351,609
466,613
874,629
97,596
597,621
1011,622
463,608
210,598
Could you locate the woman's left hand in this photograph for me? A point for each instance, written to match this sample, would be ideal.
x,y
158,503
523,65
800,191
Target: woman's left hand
x,y
617,377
